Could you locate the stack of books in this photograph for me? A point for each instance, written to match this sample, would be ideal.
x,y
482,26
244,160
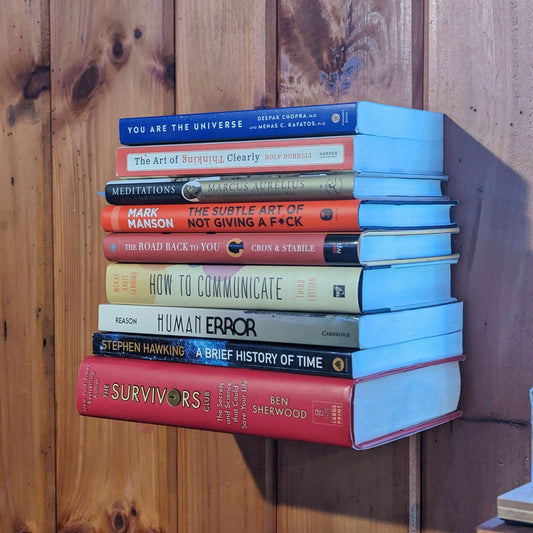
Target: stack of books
x,y
279,272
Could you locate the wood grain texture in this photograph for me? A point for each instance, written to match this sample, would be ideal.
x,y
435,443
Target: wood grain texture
x,y
479,74
109,61
225,60
226,482
466,467
226,55
345,51
27,456
324,488
329,52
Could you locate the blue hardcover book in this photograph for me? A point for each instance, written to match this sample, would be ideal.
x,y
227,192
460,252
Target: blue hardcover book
x,y
301,121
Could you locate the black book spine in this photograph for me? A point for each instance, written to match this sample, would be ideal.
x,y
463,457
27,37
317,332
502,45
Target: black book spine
x,y
301,359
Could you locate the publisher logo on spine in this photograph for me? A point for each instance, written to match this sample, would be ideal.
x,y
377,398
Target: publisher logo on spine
x,y
339,291
235,247
329,413
338,364
335,118
326,214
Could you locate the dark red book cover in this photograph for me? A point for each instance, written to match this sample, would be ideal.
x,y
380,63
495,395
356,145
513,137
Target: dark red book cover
x,y
239,247
240,401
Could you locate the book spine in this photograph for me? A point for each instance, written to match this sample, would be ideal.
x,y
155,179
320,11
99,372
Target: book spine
x,y
152,191
256,355
236,188
233,248
325,119
320,329
311,216
271,155
241,401
288,288
298,121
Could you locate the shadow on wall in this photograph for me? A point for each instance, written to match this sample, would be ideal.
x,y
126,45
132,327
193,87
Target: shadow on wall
x,y
494,279
467,465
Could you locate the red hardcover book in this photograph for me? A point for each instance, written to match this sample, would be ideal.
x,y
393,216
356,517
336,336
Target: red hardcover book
x,y
365,248
356,413
309,216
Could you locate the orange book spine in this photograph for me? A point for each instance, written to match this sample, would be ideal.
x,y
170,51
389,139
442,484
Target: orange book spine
x,y
310,216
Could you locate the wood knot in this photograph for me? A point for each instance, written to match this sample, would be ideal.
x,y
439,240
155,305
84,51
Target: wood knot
x,y
38,81
118,49
164,71
121,518
32,85
120,522
170,72
85,86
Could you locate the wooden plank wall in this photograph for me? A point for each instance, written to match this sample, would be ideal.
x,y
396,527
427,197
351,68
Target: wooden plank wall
x,y
481,78
70,70
27,450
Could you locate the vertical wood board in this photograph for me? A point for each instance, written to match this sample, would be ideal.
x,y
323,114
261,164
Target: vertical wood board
x,y
225,60
479,74
467,468
109,60
488,95
326,488
27,471
226,55
331,52
346,51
